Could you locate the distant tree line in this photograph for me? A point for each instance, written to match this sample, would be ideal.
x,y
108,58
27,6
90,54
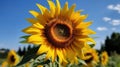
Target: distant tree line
x,y
3,52
112,43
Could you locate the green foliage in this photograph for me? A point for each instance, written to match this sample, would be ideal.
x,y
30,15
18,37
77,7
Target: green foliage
x,y
91,45
29,55
112,43
24,41
25,37
40,60
114,60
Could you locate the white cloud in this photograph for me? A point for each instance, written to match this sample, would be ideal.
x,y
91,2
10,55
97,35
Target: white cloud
x,y
114,7
106,19
102,28
110,7
115,22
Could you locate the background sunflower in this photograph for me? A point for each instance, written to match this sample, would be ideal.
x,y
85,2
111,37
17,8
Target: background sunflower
x,y
104,58
90,56
12,58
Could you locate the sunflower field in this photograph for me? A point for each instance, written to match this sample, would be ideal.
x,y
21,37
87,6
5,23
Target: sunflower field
x,y
60,37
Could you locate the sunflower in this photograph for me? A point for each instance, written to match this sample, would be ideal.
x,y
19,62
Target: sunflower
x,y
4,64
60,31
90,56
104,58
39,66
12,58
27,64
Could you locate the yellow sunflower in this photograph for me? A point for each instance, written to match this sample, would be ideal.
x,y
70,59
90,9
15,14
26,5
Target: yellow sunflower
x,y
27,64
104,58
12,58
60,31
39,66
4,64
90,57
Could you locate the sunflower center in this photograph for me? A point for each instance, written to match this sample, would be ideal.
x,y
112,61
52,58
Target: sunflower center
x,y
90,58
59,33
12,58
103,58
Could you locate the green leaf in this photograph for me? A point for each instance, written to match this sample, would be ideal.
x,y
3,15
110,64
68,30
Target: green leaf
x,y
25,37
44,62
30,54
24,42
82,62
92,45
40,60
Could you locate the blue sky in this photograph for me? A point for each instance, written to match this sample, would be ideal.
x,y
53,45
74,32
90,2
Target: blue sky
x,y
105,15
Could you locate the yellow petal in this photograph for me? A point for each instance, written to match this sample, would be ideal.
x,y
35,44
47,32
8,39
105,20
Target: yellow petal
x,y
36,39
34,13
91,40
81,54
84,32
48,55
42,8
58,7
61,55
81,18
36,42
83,25
40,17
81,36
88,40
65,7
87,31
75,16
32,20
38,25
52,8
79,44
64,10
70,54
51,53
43,48
74,61
47,15
71,10
32,30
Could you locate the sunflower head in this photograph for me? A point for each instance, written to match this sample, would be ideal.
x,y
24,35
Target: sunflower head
x,y
39,66
104,58
4,64
90,56
60,31
12,58
27,64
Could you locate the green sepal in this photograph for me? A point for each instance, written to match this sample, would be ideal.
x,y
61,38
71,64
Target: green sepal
x,y
25,37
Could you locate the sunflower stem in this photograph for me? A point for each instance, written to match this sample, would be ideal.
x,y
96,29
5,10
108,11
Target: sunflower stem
x,y
59,65
51,64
